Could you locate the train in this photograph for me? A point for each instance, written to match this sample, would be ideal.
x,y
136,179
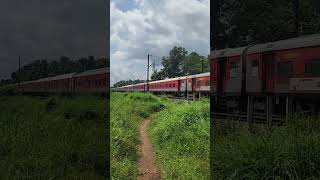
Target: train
x,y
266,82
90,81
192,85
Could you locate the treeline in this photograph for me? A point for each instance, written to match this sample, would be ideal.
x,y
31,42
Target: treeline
x,y
128,82
43,68
258,21
181,63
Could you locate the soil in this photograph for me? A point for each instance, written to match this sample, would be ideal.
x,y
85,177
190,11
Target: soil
x,y
147,164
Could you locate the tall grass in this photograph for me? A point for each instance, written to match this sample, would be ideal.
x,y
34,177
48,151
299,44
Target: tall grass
x,y
127,112
180,135
55,138
290,152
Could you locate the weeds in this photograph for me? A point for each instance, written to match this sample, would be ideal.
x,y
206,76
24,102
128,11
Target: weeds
x,y
180,135
127,112
288,152
39,142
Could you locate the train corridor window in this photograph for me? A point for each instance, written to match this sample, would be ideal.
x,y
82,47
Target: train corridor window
x,y
285,69
234,69
207,82
254,68
312,67
173,85
198,83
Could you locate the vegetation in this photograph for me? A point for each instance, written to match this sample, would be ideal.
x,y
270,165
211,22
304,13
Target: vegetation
x,y
181,137
180,63
291,152
54,138
127,112
44,68
128,82
250,21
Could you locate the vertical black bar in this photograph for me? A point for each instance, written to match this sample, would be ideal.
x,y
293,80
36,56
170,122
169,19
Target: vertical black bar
x,y
214,19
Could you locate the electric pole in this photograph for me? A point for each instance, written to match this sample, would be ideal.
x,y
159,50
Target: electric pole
x,y
18,74
154,66
148,73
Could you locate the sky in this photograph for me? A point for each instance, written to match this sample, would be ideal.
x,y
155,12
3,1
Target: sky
x,y
51,28
142,27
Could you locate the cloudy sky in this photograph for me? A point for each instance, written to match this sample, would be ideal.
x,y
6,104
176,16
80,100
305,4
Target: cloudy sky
x,y
139,27
49,29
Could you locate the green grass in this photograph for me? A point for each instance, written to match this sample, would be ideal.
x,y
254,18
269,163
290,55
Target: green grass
x,y
291,152
181,137
55,138
127,112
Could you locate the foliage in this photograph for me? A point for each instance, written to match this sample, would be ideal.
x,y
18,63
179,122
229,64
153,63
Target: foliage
x,y
195,64
39,142
180,134
128,82
258,21
180,63
127,112
291,152
43,68
172,63
158,75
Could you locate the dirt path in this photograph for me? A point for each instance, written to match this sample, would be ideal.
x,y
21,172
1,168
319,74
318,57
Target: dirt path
x,y
147,166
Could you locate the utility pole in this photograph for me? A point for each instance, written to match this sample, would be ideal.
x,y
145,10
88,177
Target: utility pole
x,y
148,73
18,75
154,66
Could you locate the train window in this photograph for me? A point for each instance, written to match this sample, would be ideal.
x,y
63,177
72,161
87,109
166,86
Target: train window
x,y
234,69
285,69
311,68
169,85
174,85
254,68
198,83
207,82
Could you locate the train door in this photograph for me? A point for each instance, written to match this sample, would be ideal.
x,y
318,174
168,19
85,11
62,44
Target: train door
x,y
268,75
221,75
189,84
183,85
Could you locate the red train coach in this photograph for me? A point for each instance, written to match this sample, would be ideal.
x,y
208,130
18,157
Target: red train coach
x,y
273,76
193,84
92,81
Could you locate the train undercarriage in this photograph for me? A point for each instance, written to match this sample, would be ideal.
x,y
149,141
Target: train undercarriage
x,y
268,110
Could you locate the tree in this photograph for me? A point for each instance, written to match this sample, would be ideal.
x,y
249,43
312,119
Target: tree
x,y
158,75
194,64
258,21
172,63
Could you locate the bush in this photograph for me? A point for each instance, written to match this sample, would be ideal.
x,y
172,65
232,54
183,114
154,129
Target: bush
x,y
180,135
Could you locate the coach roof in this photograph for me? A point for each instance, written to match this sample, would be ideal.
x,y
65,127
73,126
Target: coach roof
x,y
226,52
297,42
93,72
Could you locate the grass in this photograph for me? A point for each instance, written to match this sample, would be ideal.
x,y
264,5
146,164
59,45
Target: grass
x,y
55,138
180,135
127,112
291,152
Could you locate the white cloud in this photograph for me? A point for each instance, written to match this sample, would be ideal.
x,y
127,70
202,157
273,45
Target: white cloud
x,y
155,26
